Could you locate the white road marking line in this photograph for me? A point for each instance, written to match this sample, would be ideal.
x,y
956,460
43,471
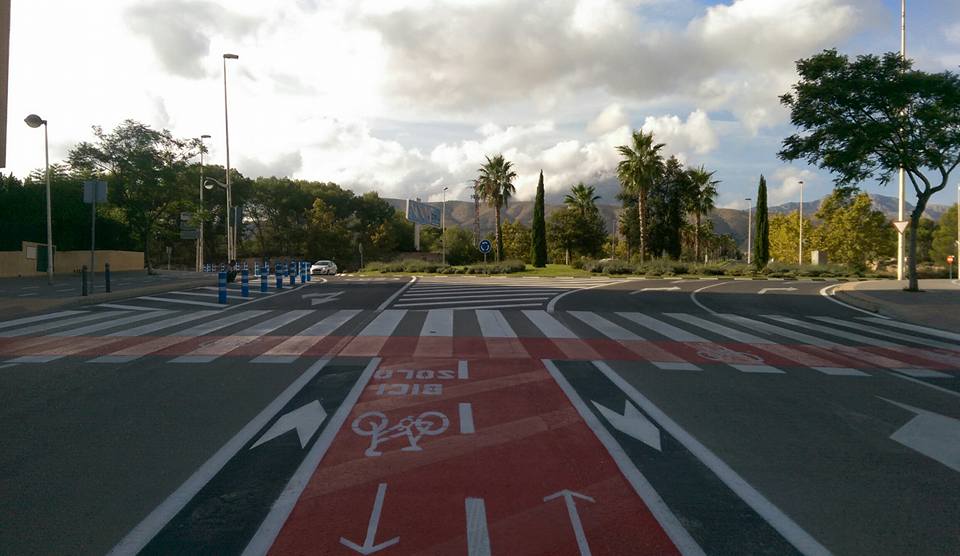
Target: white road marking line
x,y
793,533
927,384
495,306
913,327
223,346
213,295
494,325
605,327
419,291
166,323
27,294
456,302
270,527
439,322
47,326
463,370
828,293
866,340
129,307
498,295
108,324
396,294
890,333
478,538
553,302
923,373
550,326
28,320
182,301
8,365
293,347
138,538
662,328
671,525
384,324
757,369
466,418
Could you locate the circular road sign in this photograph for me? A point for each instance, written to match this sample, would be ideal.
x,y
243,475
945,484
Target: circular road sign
x,y
484,246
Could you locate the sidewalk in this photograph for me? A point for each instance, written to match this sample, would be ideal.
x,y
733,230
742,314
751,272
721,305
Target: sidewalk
x,y
20,296
938,305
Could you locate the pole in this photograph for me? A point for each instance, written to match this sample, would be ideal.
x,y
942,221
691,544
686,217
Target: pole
x,y
749,230
901,190
226,124
443,226
93,235
222,288
46,151
800,256
200,235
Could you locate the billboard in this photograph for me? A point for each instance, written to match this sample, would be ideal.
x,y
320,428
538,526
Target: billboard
x,y
422,213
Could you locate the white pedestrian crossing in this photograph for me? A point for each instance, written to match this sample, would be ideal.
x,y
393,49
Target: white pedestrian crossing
x,y
38,318
223,346
913,328
439,322
295,346
48,326
473,293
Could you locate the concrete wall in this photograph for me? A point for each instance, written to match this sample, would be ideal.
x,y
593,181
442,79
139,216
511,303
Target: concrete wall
x,y
24,263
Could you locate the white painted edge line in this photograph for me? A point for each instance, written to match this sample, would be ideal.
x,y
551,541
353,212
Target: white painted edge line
x,y
693,297
466,418
828,291
8,365
793,533
138,538
267,533
129,307
671,525
396,294
553,302
927,384
478,538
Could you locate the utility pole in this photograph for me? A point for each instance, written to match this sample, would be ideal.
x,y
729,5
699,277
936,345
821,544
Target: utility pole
x,y
900,189
800,257
749,229
476,215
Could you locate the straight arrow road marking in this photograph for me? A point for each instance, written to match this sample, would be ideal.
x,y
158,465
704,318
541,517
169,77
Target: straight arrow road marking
x,y
632,423
368,544
321,298
765,290
670,289
306,420
568,498
933,435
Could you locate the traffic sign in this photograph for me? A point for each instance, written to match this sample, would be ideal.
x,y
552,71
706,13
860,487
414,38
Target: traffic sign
x,y
94,191
484,246
950,259
901,225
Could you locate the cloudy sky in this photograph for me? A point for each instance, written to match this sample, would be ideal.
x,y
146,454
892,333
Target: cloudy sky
x,y
406,96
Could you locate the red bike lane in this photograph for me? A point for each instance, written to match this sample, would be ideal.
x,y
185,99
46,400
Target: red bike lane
x,y
471,456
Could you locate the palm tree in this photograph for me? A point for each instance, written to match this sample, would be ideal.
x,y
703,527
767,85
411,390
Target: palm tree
x,y
703,193
641,165
581,199
495,187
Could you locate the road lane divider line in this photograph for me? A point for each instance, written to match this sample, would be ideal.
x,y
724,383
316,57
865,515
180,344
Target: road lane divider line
x,y
780,521
396,294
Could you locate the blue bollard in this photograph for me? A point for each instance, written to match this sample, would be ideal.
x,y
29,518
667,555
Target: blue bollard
x,y
264,280
245,282
222,288
279,275
306,271
296,273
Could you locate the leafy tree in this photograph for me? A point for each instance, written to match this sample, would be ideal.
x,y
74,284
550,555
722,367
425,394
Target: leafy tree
x,y
944,239
629,224
539,230
495,187
785,237
873,115
461,247
761,242
703,189
517,241
851,231
638,170
574,234
581,199
668,199
924,232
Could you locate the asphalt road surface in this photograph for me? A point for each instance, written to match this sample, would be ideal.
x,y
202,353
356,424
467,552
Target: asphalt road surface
x,y
479,416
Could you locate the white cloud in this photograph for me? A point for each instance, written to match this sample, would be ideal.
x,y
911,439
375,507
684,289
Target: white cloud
x,y
696,134
612,117
784,185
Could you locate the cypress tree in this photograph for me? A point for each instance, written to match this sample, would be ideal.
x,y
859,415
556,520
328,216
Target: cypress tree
x,y
761,246
539,231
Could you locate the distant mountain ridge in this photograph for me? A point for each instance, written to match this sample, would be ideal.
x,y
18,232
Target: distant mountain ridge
x,y
725,220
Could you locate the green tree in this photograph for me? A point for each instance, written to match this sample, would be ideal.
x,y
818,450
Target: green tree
x,y
640,167
703,189
872,116
539,230
574,234
461,248
495,187
924,232
581,199
761,234
945,238
667,201
517,241
852,232
785,237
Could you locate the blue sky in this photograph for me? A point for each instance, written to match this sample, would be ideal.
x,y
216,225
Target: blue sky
x,y
408,96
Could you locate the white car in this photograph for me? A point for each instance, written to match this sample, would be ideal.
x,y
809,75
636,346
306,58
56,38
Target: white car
x,y
323,267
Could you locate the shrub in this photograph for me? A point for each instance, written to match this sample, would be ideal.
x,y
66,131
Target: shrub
x,y
617,267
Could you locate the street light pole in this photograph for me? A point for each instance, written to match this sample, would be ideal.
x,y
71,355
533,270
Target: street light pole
x,y
231,245
800,257
901,190
749,229
35,121
200,245
443,225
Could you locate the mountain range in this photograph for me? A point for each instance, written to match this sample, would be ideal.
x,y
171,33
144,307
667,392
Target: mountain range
x,y
725,220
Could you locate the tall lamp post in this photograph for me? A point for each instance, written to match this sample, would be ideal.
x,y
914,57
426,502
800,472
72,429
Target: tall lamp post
x,y
35,121
231,241
900,189
200,235
800,256
443,224
749,229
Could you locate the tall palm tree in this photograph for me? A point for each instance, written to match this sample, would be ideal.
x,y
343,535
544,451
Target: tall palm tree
x,y
582,199
701,202
641,165
495,187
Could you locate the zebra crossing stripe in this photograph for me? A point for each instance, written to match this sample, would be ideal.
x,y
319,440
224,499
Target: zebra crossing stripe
x,y
913,328
457,302
28,320
294,347
373,337
662,328
47,326
439,322
890,334
181,301
561,336
471,296
648,350
110,323
223,346
166,323
500,339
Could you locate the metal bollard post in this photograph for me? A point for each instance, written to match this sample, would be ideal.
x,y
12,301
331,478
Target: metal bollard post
x,y
222,288
264,280
292,267
83,280
106,276
278,273
245,283
306,268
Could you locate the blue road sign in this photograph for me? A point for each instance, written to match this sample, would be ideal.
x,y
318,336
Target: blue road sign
x,y
485,246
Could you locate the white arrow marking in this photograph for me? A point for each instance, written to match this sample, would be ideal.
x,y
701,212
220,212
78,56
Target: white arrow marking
x,y
933,435
306,420
320,298
568,496
632,423
765,290
670,289
368,546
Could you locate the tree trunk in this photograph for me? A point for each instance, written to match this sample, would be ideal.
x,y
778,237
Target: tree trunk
x,y
499,237
696,240
913,284
643,246
567,253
